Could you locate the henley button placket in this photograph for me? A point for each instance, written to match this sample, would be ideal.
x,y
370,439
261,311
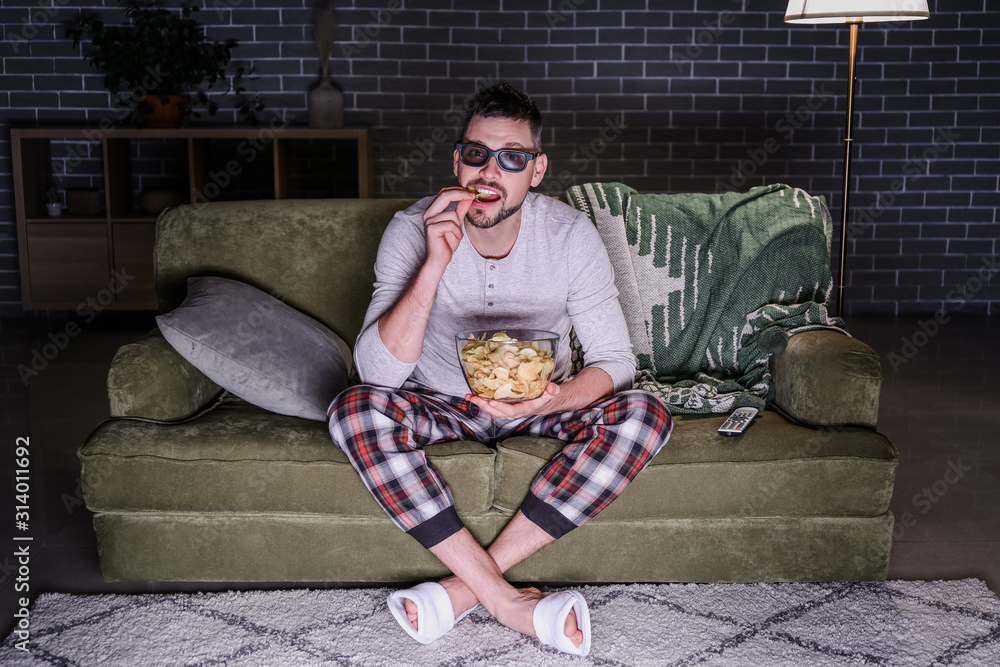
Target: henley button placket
x,y
492,268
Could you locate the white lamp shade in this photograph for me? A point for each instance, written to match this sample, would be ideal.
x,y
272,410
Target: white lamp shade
x,y
855,11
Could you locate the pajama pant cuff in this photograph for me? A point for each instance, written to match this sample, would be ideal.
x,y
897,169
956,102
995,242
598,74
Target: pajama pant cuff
x,y
438,528
546,517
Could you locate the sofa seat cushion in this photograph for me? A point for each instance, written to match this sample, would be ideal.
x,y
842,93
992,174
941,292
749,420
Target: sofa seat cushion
x,y
776,468
240,458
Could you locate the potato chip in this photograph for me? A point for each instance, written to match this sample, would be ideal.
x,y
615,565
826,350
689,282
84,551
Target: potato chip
x,y
503,368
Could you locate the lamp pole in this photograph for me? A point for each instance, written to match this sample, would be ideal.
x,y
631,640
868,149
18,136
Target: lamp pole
x,y
848,141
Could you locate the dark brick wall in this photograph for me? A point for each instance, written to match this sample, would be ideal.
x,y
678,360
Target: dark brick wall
x,y
709,95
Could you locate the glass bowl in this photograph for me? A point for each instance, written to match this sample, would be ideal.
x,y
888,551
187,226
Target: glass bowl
x,y
508,365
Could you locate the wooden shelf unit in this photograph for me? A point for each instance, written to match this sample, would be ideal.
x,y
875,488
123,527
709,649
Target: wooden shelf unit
x,y
67,259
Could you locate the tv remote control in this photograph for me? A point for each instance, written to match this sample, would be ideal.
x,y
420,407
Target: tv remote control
x,y
738,422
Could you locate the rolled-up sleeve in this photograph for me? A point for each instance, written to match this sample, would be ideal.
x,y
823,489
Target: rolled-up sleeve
x,y
594,308
399,256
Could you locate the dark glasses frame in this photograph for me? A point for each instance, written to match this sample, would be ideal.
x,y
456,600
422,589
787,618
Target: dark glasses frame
x,y
494,154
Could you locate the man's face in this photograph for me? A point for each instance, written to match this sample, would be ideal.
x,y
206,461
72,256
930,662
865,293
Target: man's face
x,y
495,134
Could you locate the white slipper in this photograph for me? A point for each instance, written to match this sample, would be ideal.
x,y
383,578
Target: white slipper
x,y
549,620
435,615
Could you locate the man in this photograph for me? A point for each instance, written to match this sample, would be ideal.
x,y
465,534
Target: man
x,y
451,263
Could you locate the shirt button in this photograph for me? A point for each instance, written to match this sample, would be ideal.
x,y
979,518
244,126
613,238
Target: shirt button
x,y
489,303
492,266
491,286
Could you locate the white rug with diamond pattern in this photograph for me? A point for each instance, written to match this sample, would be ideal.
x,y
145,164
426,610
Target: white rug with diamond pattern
x,y
890,623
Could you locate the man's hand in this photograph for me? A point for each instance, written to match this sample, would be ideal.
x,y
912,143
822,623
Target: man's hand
x,y
543,405
589,385
443,228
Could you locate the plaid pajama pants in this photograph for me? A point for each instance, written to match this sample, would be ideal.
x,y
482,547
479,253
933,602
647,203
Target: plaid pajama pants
x,y
383,431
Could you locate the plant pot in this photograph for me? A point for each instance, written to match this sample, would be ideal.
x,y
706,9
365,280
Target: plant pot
x,y
159,115
326,106
54,210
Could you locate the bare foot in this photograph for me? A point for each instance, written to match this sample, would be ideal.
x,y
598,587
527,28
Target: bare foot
x,y
462,600
518,614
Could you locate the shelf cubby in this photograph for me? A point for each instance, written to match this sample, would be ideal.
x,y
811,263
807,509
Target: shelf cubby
x,y
68,259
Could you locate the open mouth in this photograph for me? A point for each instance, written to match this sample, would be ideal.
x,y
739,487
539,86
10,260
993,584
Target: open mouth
x,y
485,195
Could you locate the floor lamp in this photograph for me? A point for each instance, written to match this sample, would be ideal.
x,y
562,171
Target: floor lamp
x,y
853,13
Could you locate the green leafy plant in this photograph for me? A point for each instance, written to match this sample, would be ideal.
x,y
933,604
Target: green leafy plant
x,y
52,196
162,52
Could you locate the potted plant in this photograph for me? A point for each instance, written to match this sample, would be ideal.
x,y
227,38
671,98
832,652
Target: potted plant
x,y
164,59
53,202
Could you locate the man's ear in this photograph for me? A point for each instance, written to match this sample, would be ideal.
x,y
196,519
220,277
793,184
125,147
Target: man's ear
x,y
455,165
540,164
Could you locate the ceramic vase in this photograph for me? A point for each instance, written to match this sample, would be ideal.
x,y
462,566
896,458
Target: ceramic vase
x,y
326,105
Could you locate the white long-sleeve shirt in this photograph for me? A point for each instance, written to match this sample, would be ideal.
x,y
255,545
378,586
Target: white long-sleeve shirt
x,y
556,276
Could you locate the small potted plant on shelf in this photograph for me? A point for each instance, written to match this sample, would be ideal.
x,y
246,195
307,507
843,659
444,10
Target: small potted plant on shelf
x,y
164,60
53,202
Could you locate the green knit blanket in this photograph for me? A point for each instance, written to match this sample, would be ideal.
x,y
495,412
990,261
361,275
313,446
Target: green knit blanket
x,y
713,284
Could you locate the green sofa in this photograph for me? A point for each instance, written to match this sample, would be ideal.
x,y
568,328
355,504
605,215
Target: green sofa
x,y
189,483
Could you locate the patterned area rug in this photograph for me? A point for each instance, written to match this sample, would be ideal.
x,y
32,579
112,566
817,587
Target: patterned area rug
x,y
891,623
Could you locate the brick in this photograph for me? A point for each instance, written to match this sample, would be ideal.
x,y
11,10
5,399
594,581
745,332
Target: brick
x,y
620,103
573,36
990,230
525,37
518,73
971,247
722,71
501,53
972,215
270,33
621,35
599,52
570,70
986,198
471,70
550,53
599,86
375,68
409,52
550,20
506,19
427,70
607,19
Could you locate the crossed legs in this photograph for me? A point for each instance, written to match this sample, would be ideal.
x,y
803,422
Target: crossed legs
x,y
483,570
383,433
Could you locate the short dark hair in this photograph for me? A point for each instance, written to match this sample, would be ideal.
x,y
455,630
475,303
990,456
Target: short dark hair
x,y
502,100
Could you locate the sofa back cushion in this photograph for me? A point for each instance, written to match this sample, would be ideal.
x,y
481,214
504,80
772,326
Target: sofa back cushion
x,y
316,255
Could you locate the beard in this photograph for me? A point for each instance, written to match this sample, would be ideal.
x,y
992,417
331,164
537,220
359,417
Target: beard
x,y
479,219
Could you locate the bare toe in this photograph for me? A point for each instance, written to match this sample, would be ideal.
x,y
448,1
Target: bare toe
x,y
411,612
571,629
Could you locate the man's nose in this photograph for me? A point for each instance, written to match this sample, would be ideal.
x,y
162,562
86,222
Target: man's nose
x,y
491,169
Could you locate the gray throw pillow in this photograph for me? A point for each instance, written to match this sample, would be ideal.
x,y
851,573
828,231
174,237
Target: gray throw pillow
x,y
258,348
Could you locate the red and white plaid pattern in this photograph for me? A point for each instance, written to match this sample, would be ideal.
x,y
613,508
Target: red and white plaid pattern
x,y
383,431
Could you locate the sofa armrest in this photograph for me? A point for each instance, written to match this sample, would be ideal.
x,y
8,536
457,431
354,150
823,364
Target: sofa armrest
x,y
824,378
150,380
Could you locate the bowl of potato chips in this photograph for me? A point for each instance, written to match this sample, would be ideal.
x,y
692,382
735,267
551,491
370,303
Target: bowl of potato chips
x,y
508,365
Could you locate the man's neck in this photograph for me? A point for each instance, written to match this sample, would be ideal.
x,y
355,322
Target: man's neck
x,y
495,242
